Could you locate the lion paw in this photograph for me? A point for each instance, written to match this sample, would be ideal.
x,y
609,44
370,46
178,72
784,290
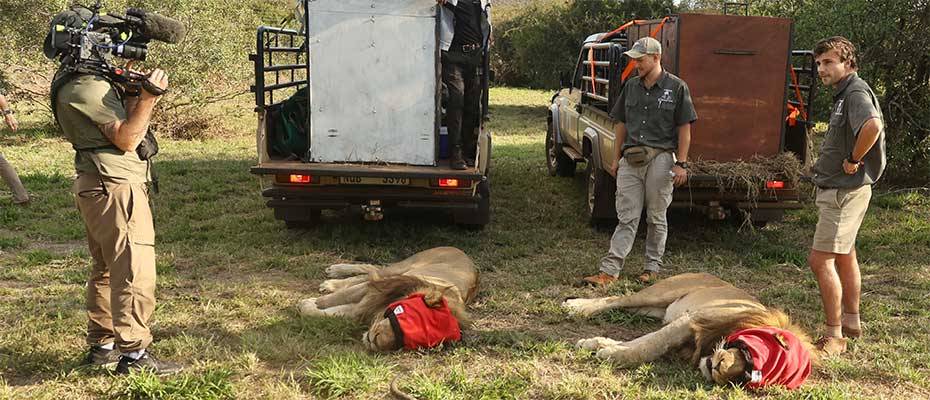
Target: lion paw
x,y
308,307
342,270
331,286
616,353
596,343
579,307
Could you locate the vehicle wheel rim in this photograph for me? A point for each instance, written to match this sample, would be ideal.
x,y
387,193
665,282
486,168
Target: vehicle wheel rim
x,y
591,192
550,151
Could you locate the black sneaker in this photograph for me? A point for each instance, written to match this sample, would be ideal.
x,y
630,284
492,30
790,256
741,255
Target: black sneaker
x,y
100,357
149,363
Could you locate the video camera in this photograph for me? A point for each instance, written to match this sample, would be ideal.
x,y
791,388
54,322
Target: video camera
x,y
86,40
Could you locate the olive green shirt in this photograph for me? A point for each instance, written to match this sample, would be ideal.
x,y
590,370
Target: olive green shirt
x,y
652,115
83,104
854,104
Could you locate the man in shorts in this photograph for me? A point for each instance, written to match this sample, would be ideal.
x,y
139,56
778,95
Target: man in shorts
x,y
851,159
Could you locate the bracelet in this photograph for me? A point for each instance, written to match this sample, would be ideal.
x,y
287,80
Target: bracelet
x,y
853,161
683,164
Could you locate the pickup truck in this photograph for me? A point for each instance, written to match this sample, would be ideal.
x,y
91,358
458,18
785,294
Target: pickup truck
x,y
349,115
744,84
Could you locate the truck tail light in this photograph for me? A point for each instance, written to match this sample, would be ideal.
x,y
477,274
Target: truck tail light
x,y
295,178
449,182
774,185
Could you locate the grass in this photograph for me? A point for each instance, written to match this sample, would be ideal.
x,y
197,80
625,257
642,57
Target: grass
x,y
230,277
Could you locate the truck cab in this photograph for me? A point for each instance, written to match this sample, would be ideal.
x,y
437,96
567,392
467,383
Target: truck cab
x,y
350,115
745,81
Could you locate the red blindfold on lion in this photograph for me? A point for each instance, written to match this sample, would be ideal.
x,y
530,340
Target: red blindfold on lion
x,y
417,325
773,357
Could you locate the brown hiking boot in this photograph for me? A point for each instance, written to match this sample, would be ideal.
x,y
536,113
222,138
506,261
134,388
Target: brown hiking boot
x,y
851,333
601,279
456,161
647,277
831,346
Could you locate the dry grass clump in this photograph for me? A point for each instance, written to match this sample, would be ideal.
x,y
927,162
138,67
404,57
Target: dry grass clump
x,y
751,175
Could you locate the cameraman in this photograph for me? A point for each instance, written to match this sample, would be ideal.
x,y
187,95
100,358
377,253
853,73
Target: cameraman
x,y
105,123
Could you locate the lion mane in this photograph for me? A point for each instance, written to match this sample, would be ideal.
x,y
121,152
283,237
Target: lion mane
x,y
709,333
385,290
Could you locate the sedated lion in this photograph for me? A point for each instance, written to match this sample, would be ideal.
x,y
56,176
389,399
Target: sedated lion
x,y
417,302
730,336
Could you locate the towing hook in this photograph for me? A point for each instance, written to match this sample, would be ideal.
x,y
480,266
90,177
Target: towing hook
x,y
373,211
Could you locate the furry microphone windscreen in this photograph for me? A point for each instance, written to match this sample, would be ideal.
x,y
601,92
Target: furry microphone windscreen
x,y
162,28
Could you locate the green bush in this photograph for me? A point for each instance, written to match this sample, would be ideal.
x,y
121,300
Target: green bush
x,y
536,41
209,65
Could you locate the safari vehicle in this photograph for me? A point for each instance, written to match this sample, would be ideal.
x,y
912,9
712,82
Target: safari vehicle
x,y
350,115
744,82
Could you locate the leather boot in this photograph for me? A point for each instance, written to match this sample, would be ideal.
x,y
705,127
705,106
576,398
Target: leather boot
x,y
456,161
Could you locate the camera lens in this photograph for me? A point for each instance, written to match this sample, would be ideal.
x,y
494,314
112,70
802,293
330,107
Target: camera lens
x,y
131,52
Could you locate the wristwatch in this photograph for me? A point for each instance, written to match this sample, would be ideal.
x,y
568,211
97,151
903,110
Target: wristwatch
x,y
683,164
853,161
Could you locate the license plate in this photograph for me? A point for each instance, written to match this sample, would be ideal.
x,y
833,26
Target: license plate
x,y
359,180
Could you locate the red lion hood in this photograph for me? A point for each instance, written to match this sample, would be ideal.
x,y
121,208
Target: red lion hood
x,y
417,325
776,355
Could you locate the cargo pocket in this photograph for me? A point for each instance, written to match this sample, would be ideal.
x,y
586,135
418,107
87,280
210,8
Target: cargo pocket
x,y
141,227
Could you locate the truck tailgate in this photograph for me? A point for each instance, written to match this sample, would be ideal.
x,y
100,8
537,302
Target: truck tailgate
x,y
442,170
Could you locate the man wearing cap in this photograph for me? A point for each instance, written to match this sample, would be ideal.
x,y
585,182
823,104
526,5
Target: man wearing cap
x,y
653,118
464,34
852,158
105,124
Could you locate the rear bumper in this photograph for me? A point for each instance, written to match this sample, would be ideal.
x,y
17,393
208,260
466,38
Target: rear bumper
x,y
704,190
342,197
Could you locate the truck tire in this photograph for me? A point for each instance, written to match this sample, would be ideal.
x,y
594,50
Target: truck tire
x,y
300,218
476,219
601,196
557,162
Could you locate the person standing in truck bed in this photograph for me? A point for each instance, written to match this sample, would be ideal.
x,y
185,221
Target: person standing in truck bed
x,y
465,28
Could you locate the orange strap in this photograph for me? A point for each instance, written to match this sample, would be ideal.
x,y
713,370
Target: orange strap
x,y
632,64
797,92
622,28
792,115
593,72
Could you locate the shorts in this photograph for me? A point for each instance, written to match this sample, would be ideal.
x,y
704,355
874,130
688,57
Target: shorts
x,y
841,214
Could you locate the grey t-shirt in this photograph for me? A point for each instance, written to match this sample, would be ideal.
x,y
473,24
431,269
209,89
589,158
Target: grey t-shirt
x,y
652,115
854,104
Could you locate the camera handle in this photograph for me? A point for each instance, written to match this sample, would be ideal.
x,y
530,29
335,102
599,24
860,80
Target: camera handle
x,y
137,78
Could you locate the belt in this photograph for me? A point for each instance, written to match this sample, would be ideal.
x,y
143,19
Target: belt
x,y
466,48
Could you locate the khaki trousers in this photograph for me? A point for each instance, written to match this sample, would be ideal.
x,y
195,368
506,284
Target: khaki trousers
x,y
651,186
12,180
121,239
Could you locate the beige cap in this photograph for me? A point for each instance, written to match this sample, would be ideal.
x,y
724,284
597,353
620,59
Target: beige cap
x,y
643,46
